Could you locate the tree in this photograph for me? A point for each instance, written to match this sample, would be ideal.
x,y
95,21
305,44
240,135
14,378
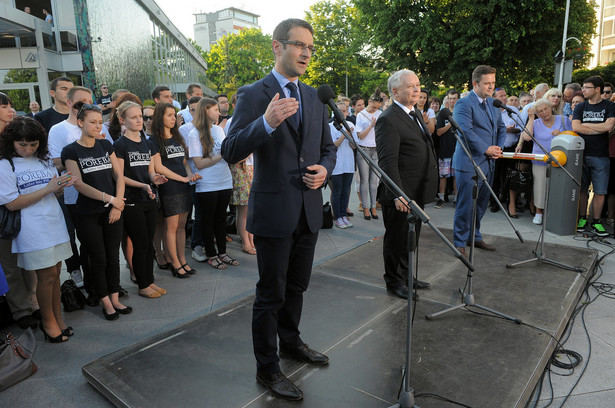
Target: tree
x,y
341,50
239,59
20,97
444,40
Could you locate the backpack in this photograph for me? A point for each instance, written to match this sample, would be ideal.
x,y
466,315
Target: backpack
x,y
70,295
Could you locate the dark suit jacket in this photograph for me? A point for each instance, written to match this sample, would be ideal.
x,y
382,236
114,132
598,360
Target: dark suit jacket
x,y
406,155
278,192
481,131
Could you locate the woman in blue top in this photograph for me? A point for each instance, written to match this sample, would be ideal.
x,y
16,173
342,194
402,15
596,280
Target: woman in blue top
x,y
544,129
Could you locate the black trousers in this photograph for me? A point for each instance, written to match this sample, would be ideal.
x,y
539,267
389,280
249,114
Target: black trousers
x,y
140,224
102,243
284,270
213,220
395,246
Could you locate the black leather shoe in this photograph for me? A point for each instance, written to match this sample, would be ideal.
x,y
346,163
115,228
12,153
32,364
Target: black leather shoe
x,y
401,292
494,208
27,321
124,311
418,284
112,316
122,292
304,354
484,246
280,386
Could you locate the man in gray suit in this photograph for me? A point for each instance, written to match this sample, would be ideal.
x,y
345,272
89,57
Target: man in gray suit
x,y
485,134
283,123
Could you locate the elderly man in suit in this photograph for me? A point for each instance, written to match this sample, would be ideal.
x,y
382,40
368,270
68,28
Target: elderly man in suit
x,y
406,154
485,134
283,123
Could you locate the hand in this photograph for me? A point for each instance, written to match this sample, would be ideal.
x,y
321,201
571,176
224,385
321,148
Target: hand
x,y
530,112
148,190
494,152
159,179
555,132
57,183
114,215
510,129
518,149
317,176
195,177
180,120
118,204
280,109
426,116
373,123
401,205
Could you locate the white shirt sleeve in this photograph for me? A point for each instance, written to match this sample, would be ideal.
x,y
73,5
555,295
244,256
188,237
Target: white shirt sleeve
x,y
8,183
195,149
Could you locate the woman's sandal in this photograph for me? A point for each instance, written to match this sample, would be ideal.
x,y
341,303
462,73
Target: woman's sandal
x,y
216,263
249,251
228,260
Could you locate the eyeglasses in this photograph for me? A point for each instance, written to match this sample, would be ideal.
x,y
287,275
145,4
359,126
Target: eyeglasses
x,y
378,99
587,87
88,107
104,87
607,92
300,46
145,117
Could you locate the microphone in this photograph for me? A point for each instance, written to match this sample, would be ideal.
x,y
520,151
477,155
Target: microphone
x,y
325,94
448,116
498,104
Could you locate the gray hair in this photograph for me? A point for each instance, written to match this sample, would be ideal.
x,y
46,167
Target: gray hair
x,y
574,86
541,102
541,87
395,79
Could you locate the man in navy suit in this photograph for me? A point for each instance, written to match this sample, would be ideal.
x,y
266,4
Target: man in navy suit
x,y
485,134
283,123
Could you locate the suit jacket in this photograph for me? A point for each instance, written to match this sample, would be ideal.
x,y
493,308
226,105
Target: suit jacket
x,y
482,128
406,154
278,192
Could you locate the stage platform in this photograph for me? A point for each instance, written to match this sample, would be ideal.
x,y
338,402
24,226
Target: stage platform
x,y
474,359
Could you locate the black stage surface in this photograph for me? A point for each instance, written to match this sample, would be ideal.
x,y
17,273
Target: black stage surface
x,y
477,360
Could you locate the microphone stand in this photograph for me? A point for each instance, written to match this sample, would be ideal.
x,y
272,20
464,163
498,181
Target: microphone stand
x,y
467,298
406,397
539,251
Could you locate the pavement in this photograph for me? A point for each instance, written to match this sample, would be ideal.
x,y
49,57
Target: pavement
x,y
59,381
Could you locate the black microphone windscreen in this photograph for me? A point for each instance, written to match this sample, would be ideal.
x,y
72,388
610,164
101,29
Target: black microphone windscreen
x,y
446,113
498,103
325,92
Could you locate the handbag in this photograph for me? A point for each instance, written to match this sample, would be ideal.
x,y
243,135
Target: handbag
x,y
72,298
16,358
517,179
327,216
10,221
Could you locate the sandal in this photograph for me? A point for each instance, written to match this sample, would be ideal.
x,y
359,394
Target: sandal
x,y
249,251
228,260
216,263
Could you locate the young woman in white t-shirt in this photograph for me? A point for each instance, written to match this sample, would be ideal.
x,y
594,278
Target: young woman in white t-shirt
x,y
43,242
215,187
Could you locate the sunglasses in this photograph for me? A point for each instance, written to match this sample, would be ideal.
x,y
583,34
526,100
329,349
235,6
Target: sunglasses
x,y
378,99
145,117
87,107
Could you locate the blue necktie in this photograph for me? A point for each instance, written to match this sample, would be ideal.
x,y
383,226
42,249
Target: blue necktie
x,y
295,120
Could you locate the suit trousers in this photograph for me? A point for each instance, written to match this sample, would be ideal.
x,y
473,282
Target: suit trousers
x,y
18,295
463,211
395,247
284,269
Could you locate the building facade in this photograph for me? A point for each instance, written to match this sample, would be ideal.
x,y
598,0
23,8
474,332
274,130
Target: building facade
x,y
210,27
603,46
127,44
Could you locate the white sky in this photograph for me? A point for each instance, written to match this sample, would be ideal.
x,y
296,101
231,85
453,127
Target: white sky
x,y
271,12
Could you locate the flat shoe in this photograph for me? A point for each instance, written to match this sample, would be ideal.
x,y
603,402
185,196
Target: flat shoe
x,y
124,311
154,295
251,251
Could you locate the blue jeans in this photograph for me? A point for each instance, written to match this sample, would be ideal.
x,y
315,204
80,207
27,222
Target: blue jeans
x,y
340,193
596,172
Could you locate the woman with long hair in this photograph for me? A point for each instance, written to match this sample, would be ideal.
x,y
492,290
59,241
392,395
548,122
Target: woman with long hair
x,y
554,96
6,110
214,188
28,182
544,129
115,125
100,205
170,160
366,141
134,156
429,116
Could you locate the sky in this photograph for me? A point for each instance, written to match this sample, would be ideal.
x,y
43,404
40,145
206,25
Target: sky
x,y
180,11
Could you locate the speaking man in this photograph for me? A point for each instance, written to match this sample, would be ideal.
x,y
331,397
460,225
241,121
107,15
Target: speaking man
x,y
283,123
485,133
406,154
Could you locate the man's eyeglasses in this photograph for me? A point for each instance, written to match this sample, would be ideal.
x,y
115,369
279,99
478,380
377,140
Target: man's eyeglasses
x,y
87,107
104,87
587,87
300,46
607,92
146,118
379,99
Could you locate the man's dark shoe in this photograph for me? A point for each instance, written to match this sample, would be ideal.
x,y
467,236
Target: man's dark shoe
x,y
484,246
495,207
401,292
462,250
280,386
304,354
418,284
27,321
92,300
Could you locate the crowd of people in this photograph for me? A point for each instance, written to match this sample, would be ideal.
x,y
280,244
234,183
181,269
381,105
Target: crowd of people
x,y
120,174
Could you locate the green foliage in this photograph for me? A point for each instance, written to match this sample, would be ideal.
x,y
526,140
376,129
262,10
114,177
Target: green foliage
x,y
444,40
607,72
238,59
20,97
342,47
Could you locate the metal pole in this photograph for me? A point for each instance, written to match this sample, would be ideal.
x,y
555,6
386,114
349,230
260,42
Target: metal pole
x,y
561,68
